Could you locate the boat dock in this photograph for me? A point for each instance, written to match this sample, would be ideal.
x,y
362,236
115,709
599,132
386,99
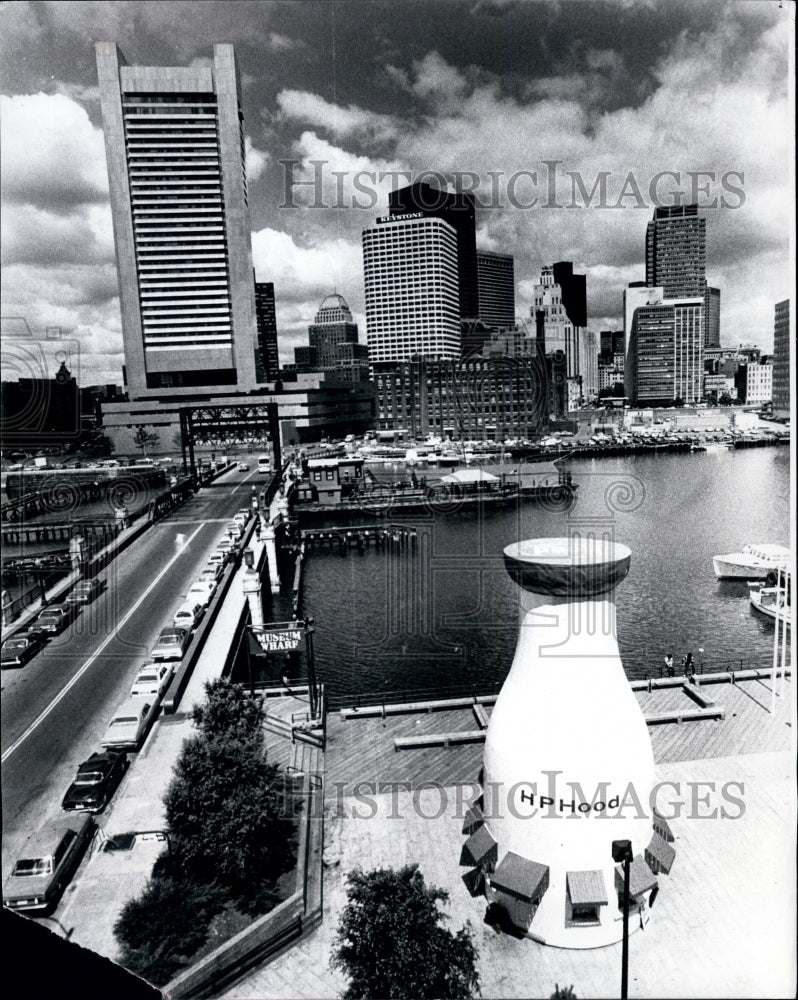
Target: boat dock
x,y
360,537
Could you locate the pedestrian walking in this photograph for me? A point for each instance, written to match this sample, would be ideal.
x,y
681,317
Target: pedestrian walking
x,y
669,665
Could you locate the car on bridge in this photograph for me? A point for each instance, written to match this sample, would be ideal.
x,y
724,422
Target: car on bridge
x,y
53,619
171,644
16,651
130,723
83,592
152,679
242,516
243,466
201,592
49,860
96,781
212,572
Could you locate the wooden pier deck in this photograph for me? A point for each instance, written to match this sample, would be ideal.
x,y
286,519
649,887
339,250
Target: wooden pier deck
x,y
361,748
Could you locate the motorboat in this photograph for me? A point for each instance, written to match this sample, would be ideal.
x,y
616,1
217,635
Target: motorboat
x,y
773,601
753,563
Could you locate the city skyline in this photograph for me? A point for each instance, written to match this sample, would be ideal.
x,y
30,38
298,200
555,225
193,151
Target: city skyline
x,y
601,90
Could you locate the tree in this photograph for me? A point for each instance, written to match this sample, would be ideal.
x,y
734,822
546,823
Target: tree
x,y
725,399
226,806
390,942
161,929
142,438
563,993
93,444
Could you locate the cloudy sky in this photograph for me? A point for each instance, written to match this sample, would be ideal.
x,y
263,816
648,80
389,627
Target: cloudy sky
x,y
532,103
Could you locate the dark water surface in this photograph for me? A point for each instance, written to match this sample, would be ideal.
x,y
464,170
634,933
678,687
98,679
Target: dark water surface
x,y
446,613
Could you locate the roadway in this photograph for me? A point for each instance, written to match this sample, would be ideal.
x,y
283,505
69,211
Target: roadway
x,y
55,709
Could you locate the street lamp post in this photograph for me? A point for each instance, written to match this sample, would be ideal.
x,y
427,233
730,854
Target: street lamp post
x,y
622,852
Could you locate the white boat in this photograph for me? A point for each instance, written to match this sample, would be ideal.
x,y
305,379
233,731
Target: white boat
x,y
773,602
753,563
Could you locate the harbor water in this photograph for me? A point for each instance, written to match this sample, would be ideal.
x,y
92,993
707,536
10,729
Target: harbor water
x,y
444,613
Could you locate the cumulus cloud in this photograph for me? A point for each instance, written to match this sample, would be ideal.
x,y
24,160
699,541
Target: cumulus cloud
x,y
52,154
311,109
256,160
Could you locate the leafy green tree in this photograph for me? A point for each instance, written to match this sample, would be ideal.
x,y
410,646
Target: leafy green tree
x,y
226,807
161,929
143,438
390,942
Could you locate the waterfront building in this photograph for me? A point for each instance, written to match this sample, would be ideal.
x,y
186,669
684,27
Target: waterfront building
x,y
754,382
612,342
267,361
717,385
496,282
459,211
174,146
676,248
333,343
479,398
410,270
781,360
712,308
588,366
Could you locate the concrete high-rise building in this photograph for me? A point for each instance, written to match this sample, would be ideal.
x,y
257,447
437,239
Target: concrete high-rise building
x,y
174,145
676,250
664,347
411,282
496,280
612,343
712,318
781,361
267,359
459,211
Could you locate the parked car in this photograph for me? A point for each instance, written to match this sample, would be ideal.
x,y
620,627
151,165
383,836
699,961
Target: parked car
x,y
235,530
17,650
243,467
83,592
219,557
48,862
242,517
188,615
130,722
152,679
53,619
201,592
171,644
96,781
212,572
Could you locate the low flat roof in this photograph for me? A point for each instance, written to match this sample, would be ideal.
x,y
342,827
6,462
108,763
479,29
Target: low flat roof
x,y
587,888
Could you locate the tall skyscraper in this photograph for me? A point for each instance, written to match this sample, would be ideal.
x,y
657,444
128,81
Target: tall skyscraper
x,y
411,283
676,250
781,361
712,309
460,212
561,295
267,359
333,343
496,282
174,145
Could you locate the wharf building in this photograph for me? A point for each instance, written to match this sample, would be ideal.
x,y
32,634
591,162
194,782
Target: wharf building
x,y
754,382
781,361
192,332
